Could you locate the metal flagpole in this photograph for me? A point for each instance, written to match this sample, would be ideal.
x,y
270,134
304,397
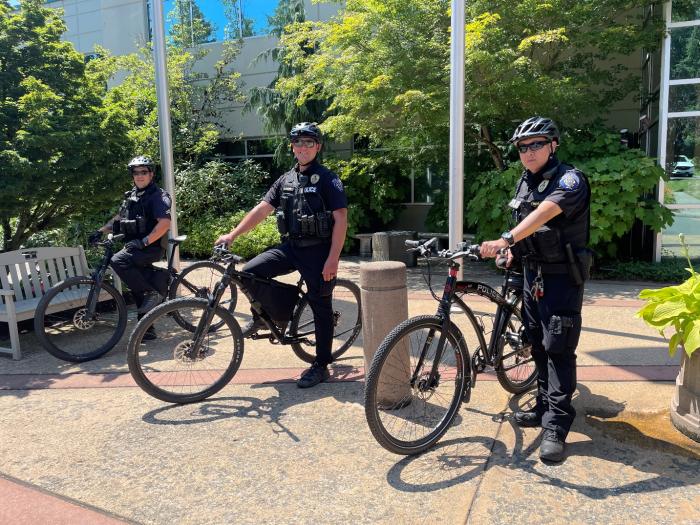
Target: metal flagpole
x,y
456,208
163,100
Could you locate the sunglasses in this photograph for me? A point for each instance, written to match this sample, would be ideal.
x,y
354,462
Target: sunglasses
x,y
304,143
533,146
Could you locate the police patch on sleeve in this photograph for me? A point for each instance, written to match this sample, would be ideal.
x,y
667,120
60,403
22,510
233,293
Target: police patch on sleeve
x,y
569,181
338,184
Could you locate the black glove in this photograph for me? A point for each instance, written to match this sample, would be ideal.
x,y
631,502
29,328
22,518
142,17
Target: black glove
x,y
94,237
136,244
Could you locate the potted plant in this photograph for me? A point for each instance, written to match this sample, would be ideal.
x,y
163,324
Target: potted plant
x,y
678,308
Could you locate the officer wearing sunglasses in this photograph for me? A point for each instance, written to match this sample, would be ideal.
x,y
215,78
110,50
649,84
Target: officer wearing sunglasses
x,y
551,209
311,209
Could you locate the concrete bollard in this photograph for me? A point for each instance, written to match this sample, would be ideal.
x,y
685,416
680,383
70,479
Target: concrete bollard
x,y
384,306
380,246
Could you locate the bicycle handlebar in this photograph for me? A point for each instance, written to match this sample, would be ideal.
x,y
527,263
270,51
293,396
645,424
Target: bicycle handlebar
x,y
221,253
463,249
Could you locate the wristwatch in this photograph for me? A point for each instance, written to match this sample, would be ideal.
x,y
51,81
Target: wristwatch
x,y
145,241
509,238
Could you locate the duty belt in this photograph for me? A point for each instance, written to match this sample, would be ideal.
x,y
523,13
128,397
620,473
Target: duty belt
x,y
546,267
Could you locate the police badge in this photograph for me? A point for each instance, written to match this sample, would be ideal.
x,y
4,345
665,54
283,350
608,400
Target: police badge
x,y
543,185
314,178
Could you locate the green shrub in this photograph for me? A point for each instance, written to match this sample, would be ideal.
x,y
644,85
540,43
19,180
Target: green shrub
x,y
203,231
375,187
218,189
667,271
622,183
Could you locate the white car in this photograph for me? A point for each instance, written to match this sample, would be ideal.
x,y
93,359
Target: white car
x,y
683,167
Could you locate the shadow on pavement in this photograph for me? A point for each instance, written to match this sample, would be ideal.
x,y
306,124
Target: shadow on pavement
x,y
272,409
611,445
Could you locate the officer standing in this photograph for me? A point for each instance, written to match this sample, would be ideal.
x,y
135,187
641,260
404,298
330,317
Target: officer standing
x,y
311,209
144,219
552,211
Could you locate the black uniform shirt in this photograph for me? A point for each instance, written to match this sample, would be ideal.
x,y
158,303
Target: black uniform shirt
x,y
322,187
567,188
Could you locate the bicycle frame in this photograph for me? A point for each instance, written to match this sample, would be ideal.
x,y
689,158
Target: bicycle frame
x,y
233,275
99,274
506,302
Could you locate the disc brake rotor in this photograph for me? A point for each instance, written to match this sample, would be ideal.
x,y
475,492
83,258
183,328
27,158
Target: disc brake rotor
x,y
81,321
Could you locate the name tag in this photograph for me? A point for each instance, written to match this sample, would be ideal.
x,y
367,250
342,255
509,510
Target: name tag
x,y
310,189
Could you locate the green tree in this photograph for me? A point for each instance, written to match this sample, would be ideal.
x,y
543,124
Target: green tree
x,y
196,100
280,110
237,25
188,26
385,67
61,140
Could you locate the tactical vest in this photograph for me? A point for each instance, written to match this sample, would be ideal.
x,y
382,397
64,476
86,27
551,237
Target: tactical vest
x,y
135,220
296,219
549,242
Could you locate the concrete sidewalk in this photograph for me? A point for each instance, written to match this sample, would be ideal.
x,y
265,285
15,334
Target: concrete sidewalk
x,y
81,443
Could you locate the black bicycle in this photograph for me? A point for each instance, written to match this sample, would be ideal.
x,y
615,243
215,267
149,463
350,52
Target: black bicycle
x,y
422,371
84,317
182,366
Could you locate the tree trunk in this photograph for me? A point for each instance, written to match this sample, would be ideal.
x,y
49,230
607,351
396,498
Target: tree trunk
x,y
685,406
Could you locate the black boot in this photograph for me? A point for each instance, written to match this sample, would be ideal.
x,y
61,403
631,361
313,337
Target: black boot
x,y
150,301
528,418
552,447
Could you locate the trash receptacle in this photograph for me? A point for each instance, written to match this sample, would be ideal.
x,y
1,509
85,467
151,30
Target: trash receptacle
x,y
390,246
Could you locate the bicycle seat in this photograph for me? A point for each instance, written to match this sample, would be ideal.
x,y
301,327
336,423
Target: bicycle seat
x,y
177,240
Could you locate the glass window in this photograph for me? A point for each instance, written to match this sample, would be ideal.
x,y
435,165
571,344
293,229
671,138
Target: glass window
x,y
218,20
686,222
684,98
682,157
685,52
685,10
230,148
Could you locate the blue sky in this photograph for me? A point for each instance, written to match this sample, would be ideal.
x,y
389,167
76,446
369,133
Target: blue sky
x,y
213,10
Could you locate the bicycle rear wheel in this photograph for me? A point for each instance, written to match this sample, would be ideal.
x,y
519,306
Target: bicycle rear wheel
x,y
64,328
347,322
164,363
516,371
198,281
407,411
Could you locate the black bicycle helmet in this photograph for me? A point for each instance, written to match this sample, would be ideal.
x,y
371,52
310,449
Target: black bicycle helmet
x,y
305,129
536,127
141,160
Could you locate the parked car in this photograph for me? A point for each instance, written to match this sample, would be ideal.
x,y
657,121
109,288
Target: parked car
x,y
683,167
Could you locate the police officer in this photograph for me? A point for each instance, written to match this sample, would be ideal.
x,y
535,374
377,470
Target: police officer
x,y
144,219
311,209
552,211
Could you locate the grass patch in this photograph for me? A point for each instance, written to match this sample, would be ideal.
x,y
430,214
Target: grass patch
x,y
690,186
671,270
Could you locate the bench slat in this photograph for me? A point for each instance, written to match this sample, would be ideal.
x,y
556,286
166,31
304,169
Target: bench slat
x,y
61,268
19,296
45,275
36,281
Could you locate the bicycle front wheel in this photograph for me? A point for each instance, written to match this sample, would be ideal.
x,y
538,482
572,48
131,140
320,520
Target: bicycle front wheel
x,y
198,281
517,371
347,322
165,362
67,330
408,408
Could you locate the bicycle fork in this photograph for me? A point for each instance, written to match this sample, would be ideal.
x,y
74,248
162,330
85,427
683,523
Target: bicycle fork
x,y
443,313
205,321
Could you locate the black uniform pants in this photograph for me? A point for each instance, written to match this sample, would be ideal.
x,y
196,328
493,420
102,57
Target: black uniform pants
x,y
136,270
553,324
308,261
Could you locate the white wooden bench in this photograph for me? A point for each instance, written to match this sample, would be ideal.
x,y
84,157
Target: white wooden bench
x,y
25,275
